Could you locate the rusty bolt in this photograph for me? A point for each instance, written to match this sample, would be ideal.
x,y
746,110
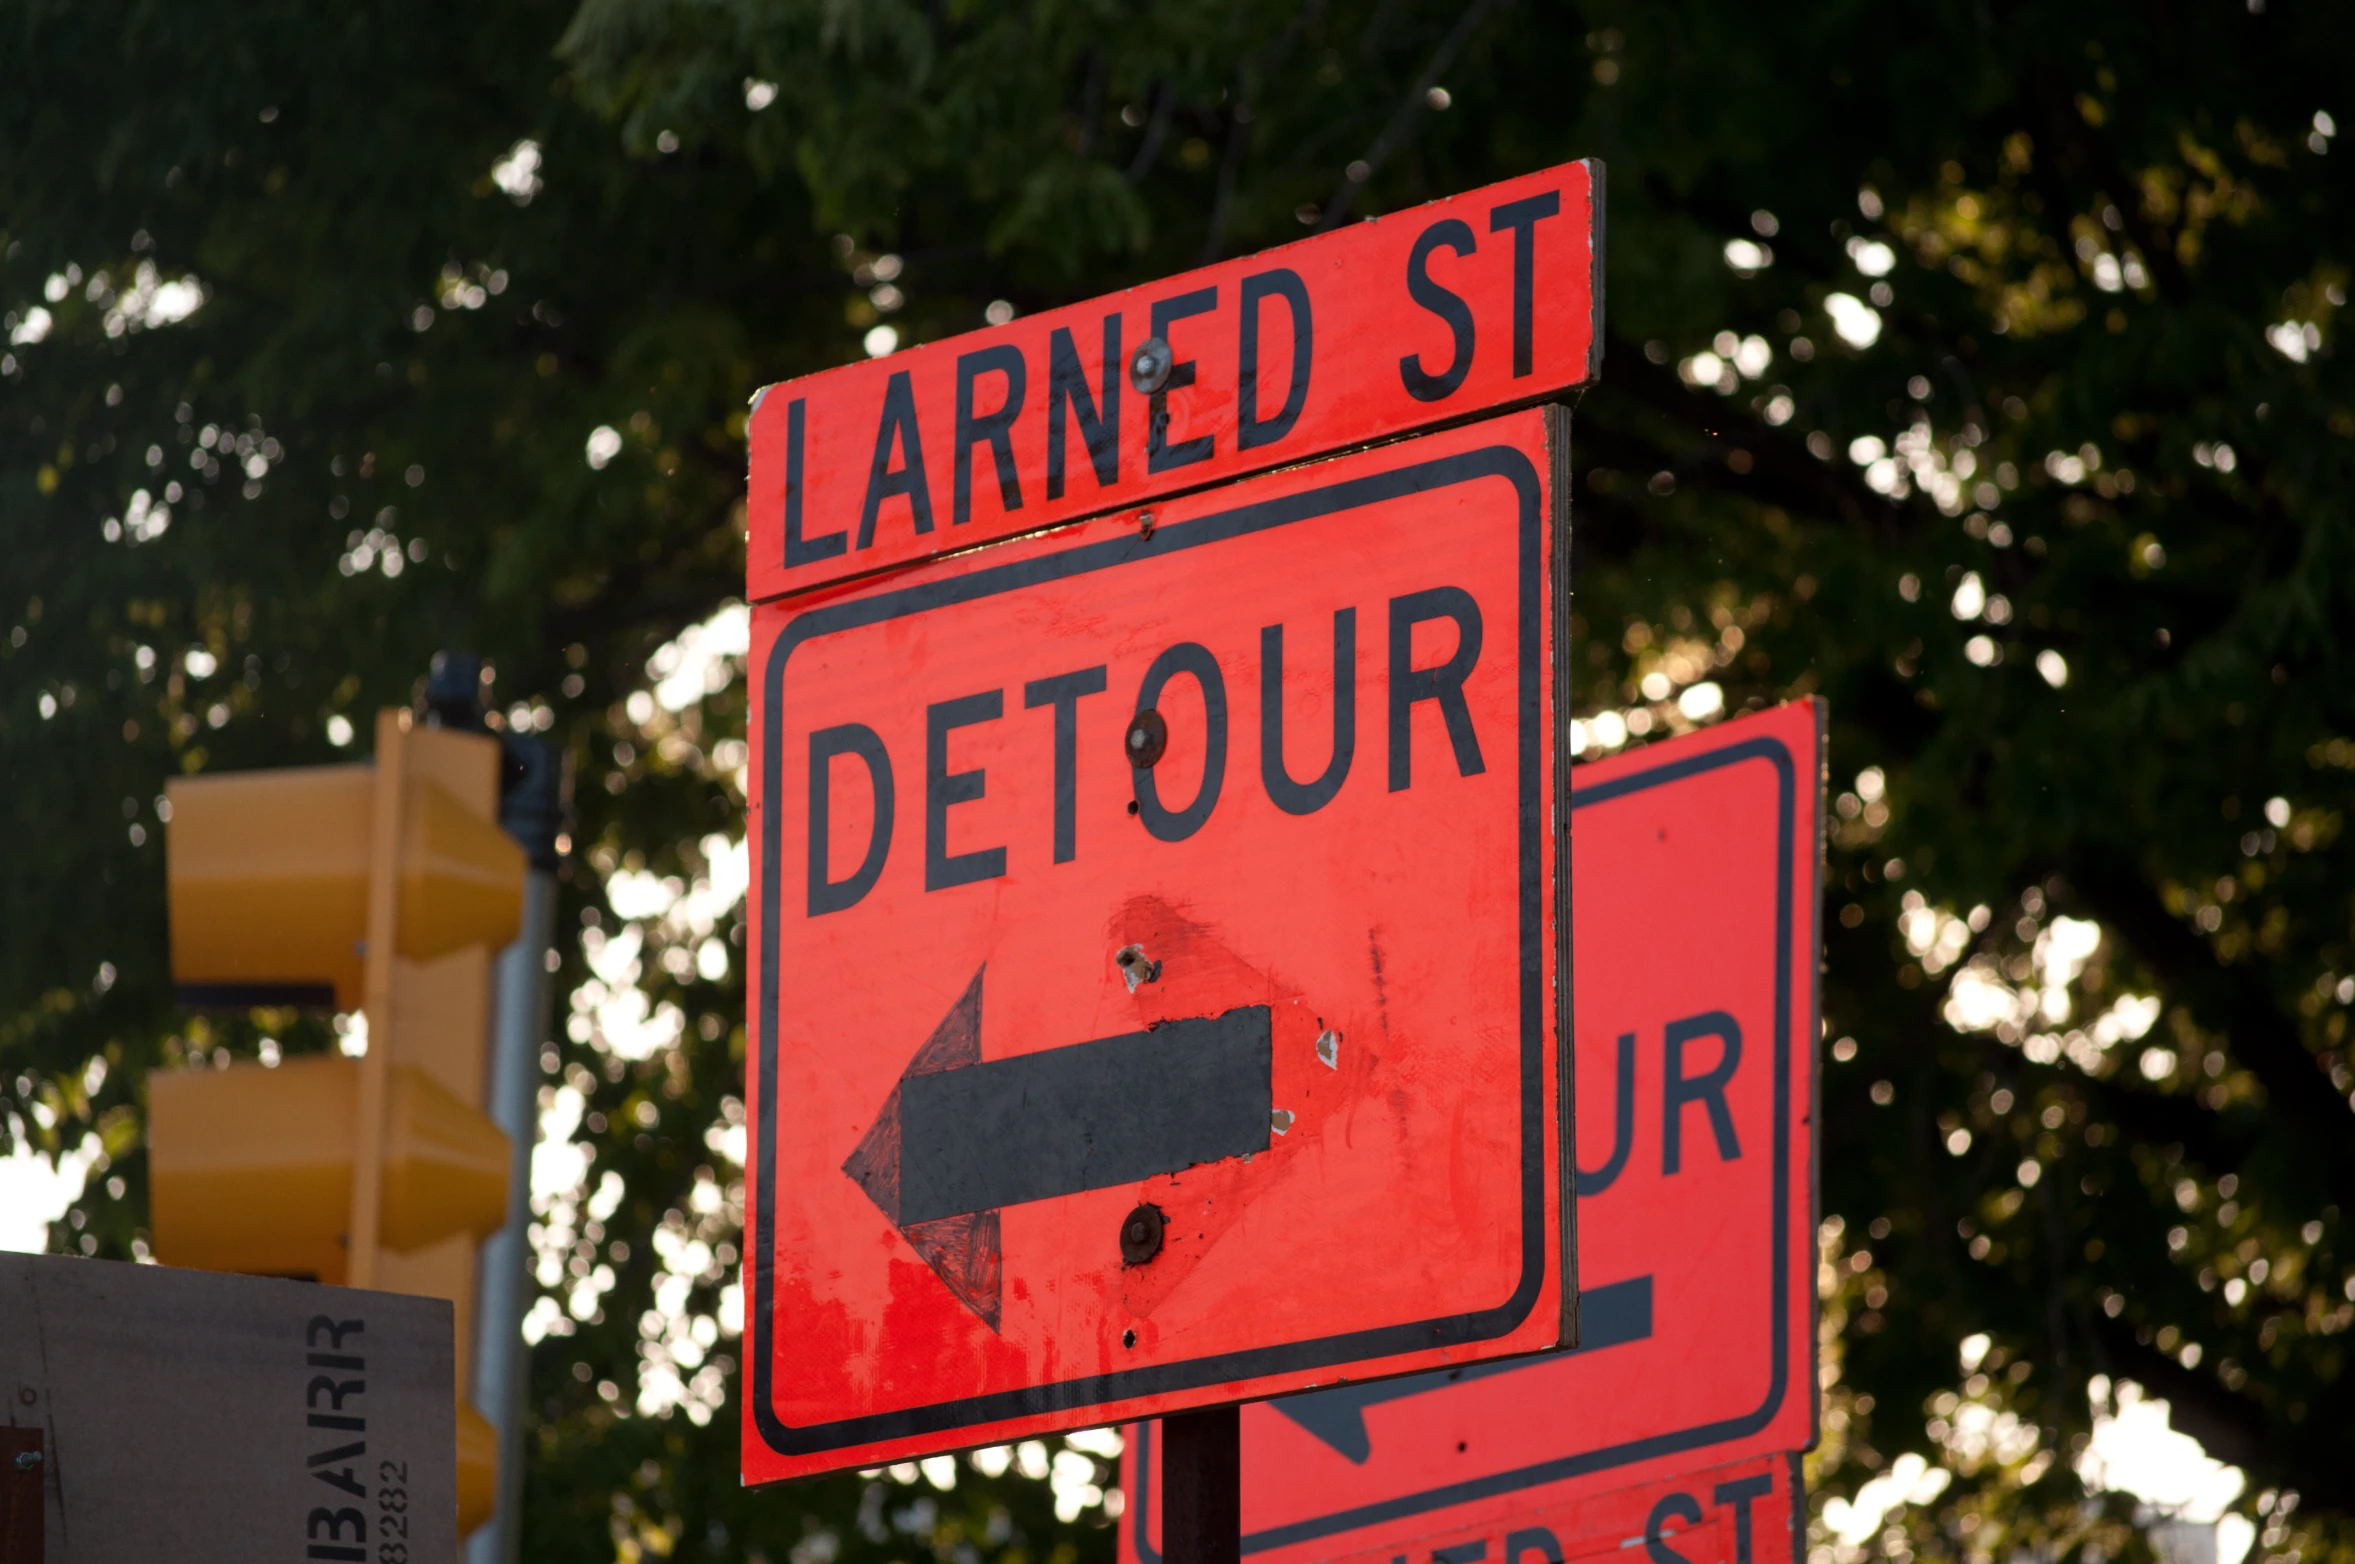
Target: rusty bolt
x,y
1146,739
1140,1235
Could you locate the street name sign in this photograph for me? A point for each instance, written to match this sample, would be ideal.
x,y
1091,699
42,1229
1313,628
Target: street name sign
x,y
1483,301
1156,941
1694,898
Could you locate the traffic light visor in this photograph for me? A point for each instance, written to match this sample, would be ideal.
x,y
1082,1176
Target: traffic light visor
x,y
268,876
250,1169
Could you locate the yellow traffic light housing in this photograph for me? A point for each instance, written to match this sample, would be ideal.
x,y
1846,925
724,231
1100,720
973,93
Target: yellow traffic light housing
x,y
382,888
254,1172
269,879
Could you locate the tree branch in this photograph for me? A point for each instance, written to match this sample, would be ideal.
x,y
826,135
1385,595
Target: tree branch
x,y
1230,166
1402,120
1156,132
2233,1001
2217,1143
1784,473
2231,1427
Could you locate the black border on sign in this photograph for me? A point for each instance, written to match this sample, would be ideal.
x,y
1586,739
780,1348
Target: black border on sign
x,y
1536,570
1786,768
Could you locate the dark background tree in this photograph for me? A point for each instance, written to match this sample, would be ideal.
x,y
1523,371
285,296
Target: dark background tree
x,y
1973,365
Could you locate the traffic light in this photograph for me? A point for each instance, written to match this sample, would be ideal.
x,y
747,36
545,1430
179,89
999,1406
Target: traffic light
x,y
383,888
253,1167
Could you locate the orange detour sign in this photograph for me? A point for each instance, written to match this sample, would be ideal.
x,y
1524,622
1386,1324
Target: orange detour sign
x,y
1483,301
1694,904
1156,940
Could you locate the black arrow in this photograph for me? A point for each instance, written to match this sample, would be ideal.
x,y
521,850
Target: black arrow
x,y
1608,1316
959,1139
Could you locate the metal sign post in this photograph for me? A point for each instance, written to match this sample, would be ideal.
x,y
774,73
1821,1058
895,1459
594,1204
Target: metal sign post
x,y
1202,1485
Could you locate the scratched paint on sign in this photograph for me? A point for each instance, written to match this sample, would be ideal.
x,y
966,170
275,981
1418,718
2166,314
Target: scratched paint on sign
x,y
1482,301
1086,1090
1694,894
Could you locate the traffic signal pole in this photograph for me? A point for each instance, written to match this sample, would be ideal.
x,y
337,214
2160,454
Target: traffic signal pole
x,y
531,809
501,1363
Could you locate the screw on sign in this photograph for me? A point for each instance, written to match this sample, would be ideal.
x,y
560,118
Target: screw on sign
x,y
1107,1068
1430,315
1678,1417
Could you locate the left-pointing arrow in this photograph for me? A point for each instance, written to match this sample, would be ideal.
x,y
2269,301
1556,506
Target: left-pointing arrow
x,y
958,1139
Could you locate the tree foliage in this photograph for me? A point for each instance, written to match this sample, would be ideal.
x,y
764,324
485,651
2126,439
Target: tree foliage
x,y
1972,365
